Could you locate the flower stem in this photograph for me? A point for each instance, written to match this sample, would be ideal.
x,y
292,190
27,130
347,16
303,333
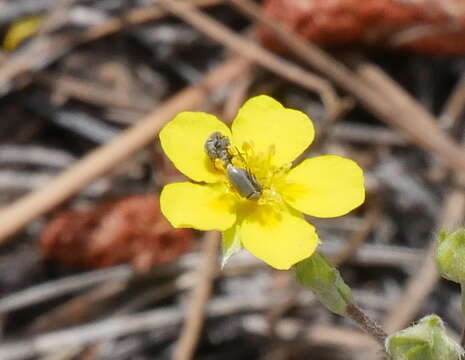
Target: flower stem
x,y
462,287
366,323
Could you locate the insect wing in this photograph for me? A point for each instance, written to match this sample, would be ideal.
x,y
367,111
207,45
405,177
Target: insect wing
x,y
243,182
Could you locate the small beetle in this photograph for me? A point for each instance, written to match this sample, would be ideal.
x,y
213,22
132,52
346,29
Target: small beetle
x,y
244,181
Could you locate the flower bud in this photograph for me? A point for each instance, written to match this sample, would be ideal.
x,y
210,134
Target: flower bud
x,y
450,255
426,340
318,274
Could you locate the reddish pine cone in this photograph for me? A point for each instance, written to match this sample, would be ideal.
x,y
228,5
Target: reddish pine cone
x,y
127,230
427,26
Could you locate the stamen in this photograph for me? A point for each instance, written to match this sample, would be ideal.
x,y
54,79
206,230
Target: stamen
x,y
219,164
232,150
238,162
260,165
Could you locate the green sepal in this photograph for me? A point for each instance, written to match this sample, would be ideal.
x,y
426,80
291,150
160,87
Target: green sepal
x,y
450,255
319,275
231,243
427,340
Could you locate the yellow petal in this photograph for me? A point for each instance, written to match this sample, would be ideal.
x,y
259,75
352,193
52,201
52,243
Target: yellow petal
x,y
183,140
20,31
264,122
325,186
202,207
281,240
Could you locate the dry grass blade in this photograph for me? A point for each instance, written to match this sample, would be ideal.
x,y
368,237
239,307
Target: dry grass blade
x,y
53,289
370,221
44,50
426,276
161,319
255,53
191,330
97,94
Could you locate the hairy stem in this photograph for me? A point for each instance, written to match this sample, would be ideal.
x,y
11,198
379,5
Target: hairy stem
x,y
462,339
366,323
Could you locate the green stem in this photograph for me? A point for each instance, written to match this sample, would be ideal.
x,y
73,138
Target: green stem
x,y
462,287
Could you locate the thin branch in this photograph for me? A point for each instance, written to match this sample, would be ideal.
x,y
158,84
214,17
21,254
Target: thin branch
x,y
134,17
451,113
371,219
93,93
292,328
423,281
254,52
76,310
367,255
425,278
238,95
454,106
366,134
42,51
164,320
197,305
53,289
35,155
366,323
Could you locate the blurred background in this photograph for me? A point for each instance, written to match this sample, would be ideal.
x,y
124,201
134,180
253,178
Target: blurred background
x,y
89,268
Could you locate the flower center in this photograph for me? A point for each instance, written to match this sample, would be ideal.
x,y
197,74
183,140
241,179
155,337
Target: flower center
x,y
260,167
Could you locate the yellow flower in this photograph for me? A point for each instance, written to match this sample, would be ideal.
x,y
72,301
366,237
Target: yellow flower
x,y
265,138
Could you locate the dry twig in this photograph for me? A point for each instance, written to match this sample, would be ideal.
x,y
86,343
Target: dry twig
x,y
255,53
162,319
424,280
238,95
42,51
190,332
452,111
77,309
454,106
53,289
366,255
371,219
66,86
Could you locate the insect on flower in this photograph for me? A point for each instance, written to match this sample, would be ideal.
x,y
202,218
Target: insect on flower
x,y
218,147
245,186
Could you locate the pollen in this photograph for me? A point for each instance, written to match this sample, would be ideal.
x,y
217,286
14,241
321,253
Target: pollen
x,y
260,165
